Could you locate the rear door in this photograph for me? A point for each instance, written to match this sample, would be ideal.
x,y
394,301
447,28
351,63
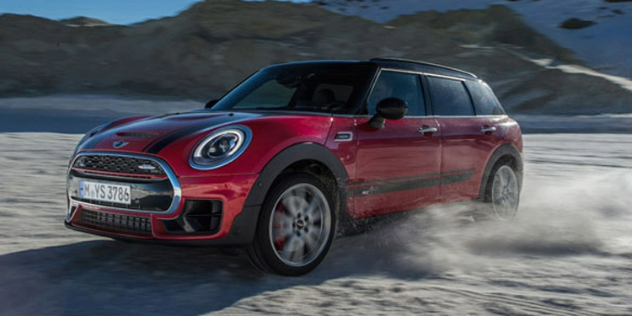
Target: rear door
x,y
467,139
398,165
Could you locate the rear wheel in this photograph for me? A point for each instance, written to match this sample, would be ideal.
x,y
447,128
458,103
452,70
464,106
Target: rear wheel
x,y
295,228
502,195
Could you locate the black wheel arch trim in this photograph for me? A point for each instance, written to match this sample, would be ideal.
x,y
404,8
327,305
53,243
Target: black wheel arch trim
x,y
503,150
291,155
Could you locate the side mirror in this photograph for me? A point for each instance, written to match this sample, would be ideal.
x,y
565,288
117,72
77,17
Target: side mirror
x,y
210,104
390,109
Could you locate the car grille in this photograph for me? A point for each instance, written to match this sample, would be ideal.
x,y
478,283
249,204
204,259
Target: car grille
x,y
153,185
118,222
119,164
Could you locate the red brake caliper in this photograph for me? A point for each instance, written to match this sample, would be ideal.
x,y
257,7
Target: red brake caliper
x,y
278,226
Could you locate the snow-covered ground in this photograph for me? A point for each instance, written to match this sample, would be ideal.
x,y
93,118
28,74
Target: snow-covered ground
x,y
605,46
568,253
78,113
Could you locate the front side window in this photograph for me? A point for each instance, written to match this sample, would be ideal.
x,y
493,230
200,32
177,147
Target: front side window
x,y
405,86
324,88
449,97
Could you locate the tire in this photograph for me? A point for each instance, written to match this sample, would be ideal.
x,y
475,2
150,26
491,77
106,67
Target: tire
x,y
296,226
502,195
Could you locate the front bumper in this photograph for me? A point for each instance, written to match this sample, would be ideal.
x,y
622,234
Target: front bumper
x,y
205,210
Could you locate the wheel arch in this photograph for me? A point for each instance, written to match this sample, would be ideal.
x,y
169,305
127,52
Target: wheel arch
x,y
289,159
505,153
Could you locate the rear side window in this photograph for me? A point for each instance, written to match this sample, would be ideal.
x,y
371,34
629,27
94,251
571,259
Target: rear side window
x,y
449,97
485,102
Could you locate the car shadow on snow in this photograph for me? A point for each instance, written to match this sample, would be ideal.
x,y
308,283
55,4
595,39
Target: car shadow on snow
x,y
105,277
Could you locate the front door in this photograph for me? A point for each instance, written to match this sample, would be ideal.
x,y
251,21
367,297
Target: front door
x,y
397,166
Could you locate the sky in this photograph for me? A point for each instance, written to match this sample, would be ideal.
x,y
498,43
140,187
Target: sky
x,y
112,11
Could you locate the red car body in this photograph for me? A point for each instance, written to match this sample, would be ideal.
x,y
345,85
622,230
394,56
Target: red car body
x,y
408,164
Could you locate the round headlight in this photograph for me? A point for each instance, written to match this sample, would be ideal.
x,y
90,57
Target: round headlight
x,y
220,147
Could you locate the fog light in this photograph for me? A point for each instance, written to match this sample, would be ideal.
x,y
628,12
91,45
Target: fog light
x,y
198,217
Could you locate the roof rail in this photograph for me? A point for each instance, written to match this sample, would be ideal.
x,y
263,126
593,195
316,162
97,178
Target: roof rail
x,y
424,64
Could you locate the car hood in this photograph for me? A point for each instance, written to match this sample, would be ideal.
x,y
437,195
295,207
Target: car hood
x,y
152,134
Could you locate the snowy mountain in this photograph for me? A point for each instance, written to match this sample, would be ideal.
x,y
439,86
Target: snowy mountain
x,y
205,50
605,45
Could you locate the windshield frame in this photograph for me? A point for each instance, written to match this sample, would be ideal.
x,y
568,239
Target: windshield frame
x,y
366,70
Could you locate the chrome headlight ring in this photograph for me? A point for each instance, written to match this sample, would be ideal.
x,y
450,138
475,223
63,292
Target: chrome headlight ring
x,y
220,147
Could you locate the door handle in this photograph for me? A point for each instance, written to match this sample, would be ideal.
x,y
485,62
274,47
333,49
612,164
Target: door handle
x,y
428,130
488,129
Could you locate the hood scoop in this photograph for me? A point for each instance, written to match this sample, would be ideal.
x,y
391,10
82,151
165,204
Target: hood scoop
x,y
136,135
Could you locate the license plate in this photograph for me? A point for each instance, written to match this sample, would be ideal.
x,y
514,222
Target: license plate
x,y
105,192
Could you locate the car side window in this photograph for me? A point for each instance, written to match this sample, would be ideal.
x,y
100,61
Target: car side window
x,y
485,102
405,86
449,97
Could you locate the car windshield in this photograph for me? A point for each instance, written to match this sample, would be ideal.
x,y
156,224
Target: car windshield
x,y
326,88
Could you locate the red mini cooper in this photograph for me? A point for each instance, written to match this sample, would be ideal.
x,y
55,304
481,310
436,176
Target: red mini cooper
x,y
293,153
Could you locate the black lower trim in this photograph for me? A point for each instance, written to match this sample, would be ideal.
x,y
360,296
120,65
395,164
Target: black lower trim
x,y
456,178
241,233
421,181
117,222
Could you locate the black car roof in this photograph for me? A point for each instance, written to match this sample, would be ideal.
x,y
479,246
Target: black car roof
x,y
401,64
413,65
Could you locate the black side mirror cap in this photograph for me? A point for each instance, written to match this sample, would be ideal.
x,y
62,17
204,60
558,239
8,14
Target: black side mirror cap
x,y
390,109
211,103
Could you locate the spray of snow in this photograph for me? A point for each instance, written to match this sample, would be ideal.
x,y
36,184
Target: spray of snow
x,y
564,211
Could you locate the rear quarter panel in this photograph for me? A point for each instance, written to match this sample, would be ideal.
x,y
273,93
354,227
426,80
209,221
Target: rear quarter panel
x,y
465,147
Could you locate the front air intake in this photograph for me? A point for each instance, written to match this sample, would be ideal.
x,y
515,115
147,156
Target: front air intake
x,y
116,222
199,217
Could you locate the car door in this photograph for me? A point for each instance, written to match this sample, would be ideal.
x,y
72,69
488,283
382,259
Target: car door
x,y
397,166
467,140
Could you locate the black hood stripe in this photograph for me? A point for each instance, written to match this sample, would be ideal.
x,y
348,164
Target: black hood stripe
x,y
160,144
213,120
153,142
169,134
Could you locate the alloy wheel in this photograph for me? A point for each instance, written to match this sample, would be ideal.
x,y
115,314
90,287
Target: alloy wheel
x,y
505,193
300,225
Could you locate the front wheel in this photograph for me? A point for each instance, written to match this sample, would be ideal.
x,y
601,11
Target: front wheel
x,y
295,228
